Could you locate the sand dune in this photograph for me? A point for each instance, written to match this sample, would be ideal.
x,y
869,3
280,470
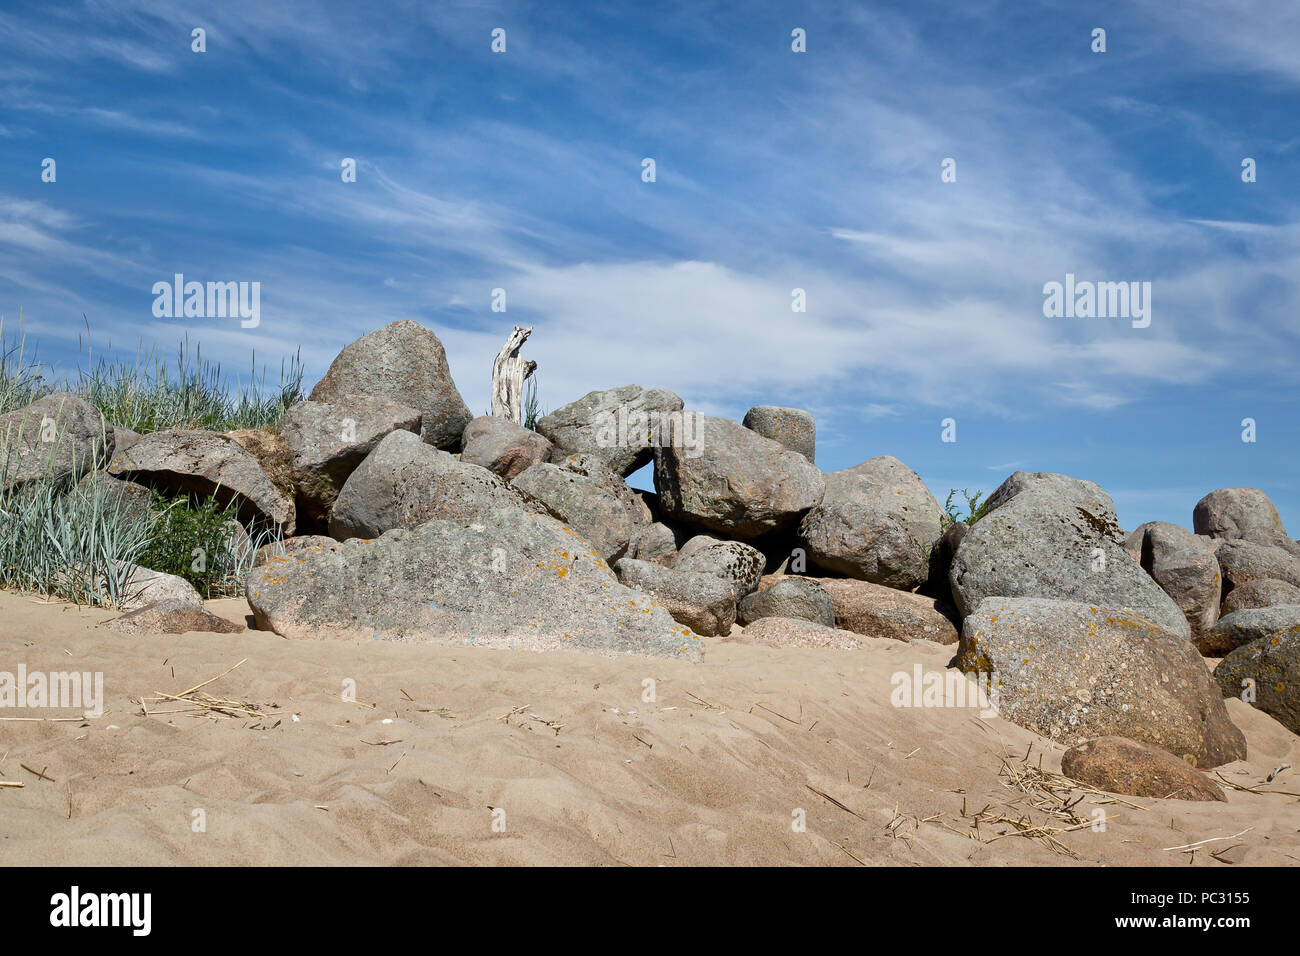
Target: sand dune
x,y
711,772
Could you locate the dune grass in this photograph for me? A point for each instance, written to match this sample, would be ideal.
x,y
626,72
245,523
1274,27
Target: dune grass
x,y
149,393
72,541
79,540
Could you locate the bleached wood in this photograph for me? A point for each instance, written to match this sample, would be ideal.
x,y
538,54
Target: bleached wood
x,y
508,374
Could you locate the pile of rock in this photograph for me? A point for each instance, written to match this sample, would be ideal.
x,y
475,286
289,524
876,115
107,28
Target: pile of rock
x,y
415,522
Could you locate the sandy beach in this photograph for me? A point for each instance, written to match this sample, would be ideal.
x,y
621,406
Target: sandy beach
x,y
475,756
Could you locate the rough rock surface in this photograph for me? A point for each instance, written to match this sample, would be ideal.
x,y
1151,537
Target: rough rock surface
x,y
1072,671
620,426
1052,537
207,464
1263,592
172,617
1242,514
877,611
739,564
406,363
327,441
503,578
1243,561
1066,491
702,602
876,522
1184,566
123,438
272,453
405,482
1243,627
143,587
503,447
589,498
789,597
1120,765
58,436
1272,666
792,427
654,542
901,492
735,481
793,632
292,547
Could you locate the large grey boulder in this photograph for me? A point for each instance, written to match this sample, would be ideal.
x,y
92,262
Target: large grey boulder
x,y
1265,592
406,363
503,578
1184,566
1062,488
735,481
737,563
327,441
503,447
849,536
704,603
1071,671
57,437
1057,539
1244,627
1266,674
590,499
405,482
876,522
789,597
206,464
621,426
877,611
1244,561
792,427
902,493
1242,514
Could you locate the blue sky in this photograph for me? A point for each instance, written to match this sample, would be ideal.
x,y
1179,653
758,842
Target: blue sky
x,y
775,170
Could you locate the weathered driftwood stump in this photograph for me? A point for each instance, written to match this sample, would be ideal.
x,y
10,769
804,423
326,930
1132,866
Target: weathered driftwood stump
x,y
508,374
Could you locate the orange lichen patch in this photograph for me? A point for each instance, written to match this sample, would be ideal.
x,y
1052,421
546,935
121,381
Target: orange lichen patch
x,y
1125,622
